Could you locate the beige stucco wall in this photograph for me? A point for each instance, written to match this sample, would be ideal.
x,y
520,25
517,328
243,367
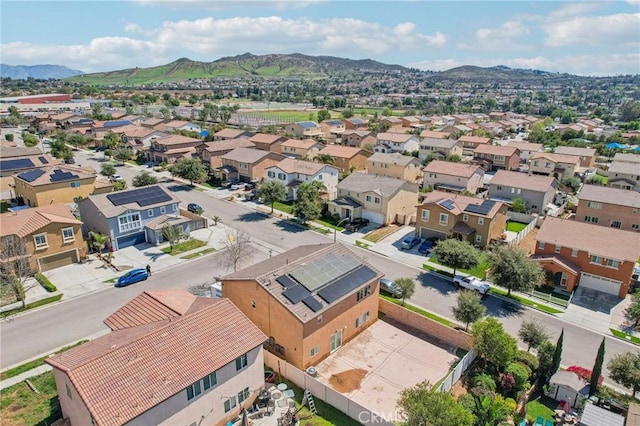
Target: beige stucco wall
x,y
55,243
401,204
409,173
609,213
73,407
53,193
472,184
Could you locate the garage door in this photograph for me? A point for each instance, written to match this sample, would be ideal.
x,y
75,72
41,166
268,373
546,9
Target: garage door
x,y
373,217
58,260
602,284
428,233
131,240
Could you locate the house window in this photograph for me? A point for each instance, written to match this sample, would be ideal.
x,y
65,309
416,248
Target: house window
x,y
241,362
280,349
444,218
230,404
362,293
362,319
314,351
163,210
129,222
243,395
376,200
465,217
243,165
591,219
282,176
368,198
68,235
194,390
174,207
499,188
210,380
480,221
425,215
271,174
319,319
150,213
635,226
612,263
68,389
557,249
433,175
541,245
596,259
478,238
253,303
75,184
513,190
574,252
534,207
616,224
41,241
594,205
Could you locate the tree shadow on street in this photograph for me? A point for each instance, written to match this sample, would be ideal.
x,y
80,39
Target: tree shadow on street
x,y
288,226
179,188
252,217
500,308
427,279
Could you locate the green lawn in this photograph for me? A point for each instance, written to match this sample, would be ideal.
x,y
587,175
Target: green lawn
x,y
286,207
478,271
541,406
527,302
36,304
515,226
184,246
624,336
21,406
285,115
199,253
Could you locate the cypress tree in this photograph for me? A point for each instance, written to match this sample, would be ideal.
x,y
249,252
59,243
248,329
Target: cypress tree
x,y
557,355
597,370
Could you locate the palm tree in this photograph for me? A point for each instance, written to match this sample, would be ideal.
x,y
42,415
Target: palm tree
x,y
324,158
99,242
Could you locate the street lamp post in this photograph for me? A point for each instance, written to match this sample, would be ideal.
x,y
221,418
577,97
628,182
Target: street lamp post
x,y
335,230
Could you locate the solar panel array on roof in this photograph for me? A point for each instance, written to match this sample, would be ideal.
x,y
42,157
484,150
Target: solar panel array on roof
x,y
357,121
334,122
347,283
296,293
307,124
447,204
60,176
31,175
324,270
23,163
482,209
286,281
143,196
43,160
116,123
312,303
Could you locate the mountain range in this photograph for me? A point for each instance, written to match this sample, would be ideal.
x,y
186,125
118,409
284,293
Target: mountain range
x,y
39,72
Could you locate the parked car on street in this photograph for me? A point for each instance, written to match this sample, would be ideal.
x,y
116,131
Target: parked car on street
x,y
389,287
132,277
237,185
115,178
356,224
194,208
410,242
471,283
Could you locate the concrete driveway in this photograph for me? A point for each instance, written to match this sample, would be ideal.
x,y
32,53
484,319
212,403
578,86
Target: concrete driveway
x,y
592,309
390,360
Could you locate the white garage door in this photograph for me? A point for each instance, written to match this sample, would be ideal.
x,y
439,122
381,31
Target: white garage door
x,y
602,284
428,233
373,217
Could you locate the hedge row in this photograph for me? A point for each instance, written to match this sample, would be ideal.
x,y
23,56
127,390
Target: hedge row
x,y
44,282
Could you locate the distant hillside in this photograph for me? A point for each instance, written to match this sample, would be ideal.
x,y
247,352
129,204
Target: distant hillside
x,y
500,73
40,72
239,66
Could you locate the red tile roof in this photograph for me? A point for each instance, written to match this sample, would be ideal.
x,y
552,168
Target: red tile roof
x,y
25,222
125,373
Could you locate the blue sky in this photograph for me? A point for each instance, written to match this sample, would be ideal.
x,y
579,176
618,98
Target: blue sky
x,y
585,38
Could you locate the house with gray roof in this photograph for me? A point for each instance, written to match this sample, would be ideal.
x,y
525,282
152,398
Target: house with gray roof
x,y
611,207
537,191
380,199
394,165
624,175
439,148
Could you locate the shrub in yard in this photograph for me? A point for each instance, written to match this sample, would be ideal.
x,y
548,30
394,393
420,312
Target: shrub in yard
x,y
507,382
520,374
583,373
484,381
44,282
528,359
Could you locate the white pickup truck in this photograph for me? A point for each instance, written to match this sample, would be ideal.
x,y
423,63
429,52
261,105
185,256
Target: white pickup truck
x,y
471,283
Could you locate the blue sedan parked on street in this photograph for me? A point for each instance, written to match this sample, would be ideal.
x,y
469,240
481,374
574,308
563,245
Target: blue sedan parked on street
x,y
132,277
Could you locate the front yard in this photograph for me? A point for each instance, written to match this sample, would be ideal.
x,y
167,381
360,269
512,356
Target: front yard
x,y
21,406
184,246
478,271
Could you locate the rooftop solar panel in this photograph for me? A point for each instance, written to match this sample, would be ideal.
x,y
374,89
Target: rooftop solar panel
x,y
347,283
324,270
296,293
31,175
60,176
143,196
482,209
312,303
447,204
43,160
116,123
286,281
23,163
307,124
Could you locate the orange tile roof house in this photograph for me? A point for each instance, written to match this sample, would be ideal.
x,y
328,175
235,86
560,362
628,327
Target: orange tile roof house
x,y
395,165
229,133
211,152
267,142
587,155
434,135
18,159
526,149
497,157
138,138
291,173
382,200
171,148
469,143
51,234
611,207
537,191
247,164
439,148
300,148
357,138
309,301
453,177
346,158
304,129
557,165
174,125
444,215
356,123
171,358
396,142
577,254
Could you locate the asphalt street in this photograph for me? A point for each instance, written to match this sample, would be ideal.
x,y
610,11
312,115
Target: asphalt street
x,y
51,327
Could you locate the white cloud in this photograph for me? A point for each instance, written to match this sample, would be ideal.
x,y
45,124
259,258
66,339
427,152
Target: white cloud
x,y
209,38
505,37
221,5
570,10
612,30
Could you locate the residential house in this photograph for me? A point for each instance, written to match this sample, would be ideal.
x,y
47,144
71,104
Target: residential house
x,y
331,128
356,124
497,157
624,172
394,165
51,234
267,142
291,173
559,166
99,129
577,254
611,207
470,143
453,177
177,125
138,138
439,148
358,138
170,148
434,135
346,158
526,149
390,121
131,216
411,121
297,148
310,300
537,191
15,160
152,122
229,133
58,184
587,155
304,129
170,358
247,164
476,220
396,142
382,200
211,152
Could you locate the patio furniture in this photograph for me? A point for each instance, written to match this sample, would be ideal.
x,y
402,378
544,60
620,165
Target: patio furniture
x,y
548,423
539,421
289,393
282,386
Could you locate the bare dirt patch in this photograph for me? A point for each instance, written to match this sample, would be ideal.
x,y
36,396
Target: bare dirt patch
x,y
378,234
528,243
458,389
347,381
